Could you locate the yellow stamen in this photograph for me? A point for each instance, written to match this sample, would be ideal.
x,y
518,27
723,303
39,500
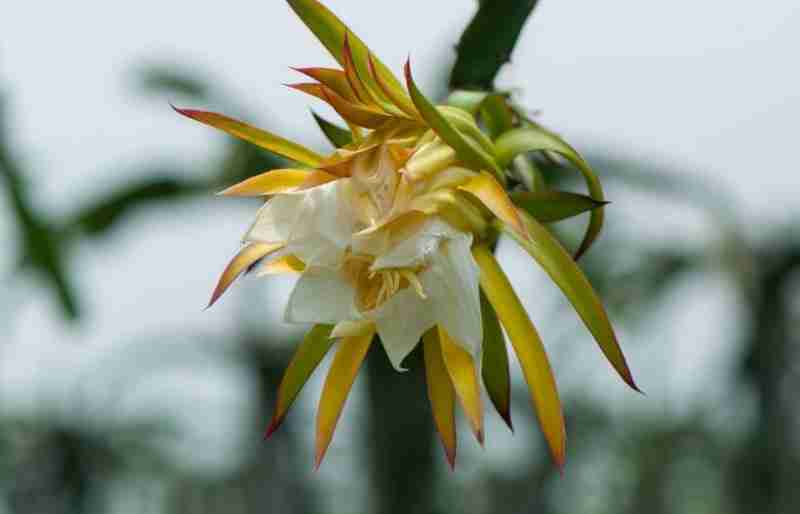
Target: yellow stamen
x,y
375,287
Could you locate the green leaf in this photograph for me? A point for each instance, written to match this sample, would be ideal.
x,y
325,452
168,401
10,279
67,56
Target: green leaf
x,y
552,206
43,246
470,152
309,354
488,42
331,32
166,80
102,217
531,139
337,135
495,371
564,271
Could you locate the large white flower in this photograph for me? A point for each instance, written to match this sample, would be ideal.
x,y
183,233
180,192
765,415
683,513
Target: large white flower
x,y
401,277
427,279
390,230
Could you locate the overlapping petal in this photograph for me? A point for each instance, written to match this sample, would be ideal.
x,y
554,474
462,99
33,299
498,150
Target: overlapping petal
x,y
315,224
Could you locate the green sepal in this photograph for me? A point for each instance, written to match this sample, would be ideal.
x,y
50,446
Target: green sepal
x,y
309,354
564,271
497,115
470,152
530,139
552,206
495,372
336,135
331,32
469,101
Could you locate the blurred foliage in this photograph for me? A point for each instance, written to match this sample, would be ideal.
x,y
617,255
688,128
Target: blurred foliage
x,y
487,43
41,250
618,463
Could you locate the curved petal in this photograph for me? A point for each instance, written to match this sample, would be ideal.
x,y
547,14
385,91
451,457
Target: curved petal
x,y
451,282
275,220
401,322
316,224
419,245
322,295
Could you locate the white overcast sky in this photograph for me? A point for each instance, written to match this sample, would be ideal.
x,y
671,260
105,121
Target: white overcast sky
x,y
712,87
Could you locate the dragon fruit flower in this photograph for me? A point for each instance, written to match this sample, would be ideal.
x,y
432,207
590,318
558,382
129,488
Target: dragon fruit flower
x,y
391,235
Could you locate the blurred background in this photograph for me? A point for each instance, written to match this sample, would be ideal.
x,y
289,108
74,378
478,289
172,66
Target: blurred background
x,y
118,394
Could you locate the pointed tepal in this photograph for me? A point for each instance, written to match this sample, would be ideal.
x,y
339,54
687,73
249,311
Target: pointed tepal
x,y
246,258
331,32
341,376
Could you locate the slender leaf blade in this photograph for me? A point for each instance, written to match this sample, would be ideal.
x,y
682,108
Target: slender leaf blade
x,y
530,139
564,271
470,152
336,135
497,115
258,137
288,264
495,370
338,383
269,183
461,368
552,206
331,32
441,395
495,198
529,349
244,260
316,344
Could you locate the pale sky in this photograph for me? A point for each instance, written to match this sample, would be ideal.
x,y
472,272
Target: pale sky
x,y
711,87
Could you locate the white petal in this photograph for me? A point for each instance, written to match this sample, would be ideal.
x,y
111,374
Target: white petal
x,y
376,174
322,295
316,224
275,220
401,321
417,249
451,283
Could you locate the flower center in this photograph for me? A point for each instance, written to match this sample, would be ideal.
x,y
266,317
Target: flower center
x,y
375,287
